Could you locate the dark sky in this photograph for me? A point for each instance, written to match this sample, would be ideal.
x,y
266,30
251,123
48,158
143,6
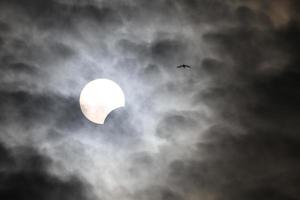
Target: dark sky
x,y
226,129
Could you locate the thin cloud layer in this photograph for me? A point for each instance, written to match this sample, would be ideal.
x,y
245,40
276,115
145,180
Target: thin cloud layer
x,y
225,129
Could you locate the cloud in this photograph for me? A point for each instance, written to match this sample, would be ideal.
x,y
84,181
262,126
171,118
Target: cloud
x,y
251,152
224,129
24,175
239,166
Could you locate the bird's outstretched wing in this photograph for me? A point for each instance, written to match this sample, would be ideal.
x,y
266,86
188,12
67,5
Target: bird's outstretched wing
x,y
184,66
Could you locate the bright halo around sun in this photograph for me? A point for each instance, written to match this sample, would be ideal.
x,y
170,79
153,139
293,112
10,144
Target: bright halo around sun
x,y
99,97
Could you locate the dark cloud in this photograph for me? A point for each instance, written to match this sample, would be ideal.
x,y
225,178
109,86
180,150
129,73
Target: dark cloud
x,y
263,75
132,48
62,50
30,108
252,152
225,129
167,52
170,126
239,166
54,14
151,73
120,129
4,27
24,175
20,68
158,193
206,11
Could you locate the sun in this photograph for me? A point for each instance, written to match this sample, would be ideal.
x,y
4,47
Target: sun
x,y
99,97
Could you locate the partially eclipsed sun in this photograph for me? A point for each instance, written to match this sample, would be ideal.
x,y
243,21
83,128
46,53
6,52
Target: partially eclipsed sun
x,y
99,97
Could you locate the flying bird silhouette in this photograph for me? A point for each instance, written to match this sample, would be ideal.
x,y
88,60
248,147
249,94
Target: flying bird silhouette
x,y
184,66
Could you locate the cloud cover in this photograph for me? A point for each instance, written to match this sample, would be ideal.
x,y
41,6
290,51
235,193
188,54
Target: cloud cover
x,y
226,129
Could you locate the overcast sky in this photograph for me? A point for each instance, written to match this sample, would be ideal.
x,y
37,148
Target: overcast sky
x,y
226,129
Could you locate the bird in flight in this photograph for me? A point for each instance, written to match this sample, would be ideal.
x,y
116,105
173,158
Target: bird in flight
x,y
184,66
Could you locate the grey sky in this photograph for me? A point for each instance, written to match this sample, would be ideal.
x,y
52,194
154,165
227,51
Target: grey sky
x,y
225,129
